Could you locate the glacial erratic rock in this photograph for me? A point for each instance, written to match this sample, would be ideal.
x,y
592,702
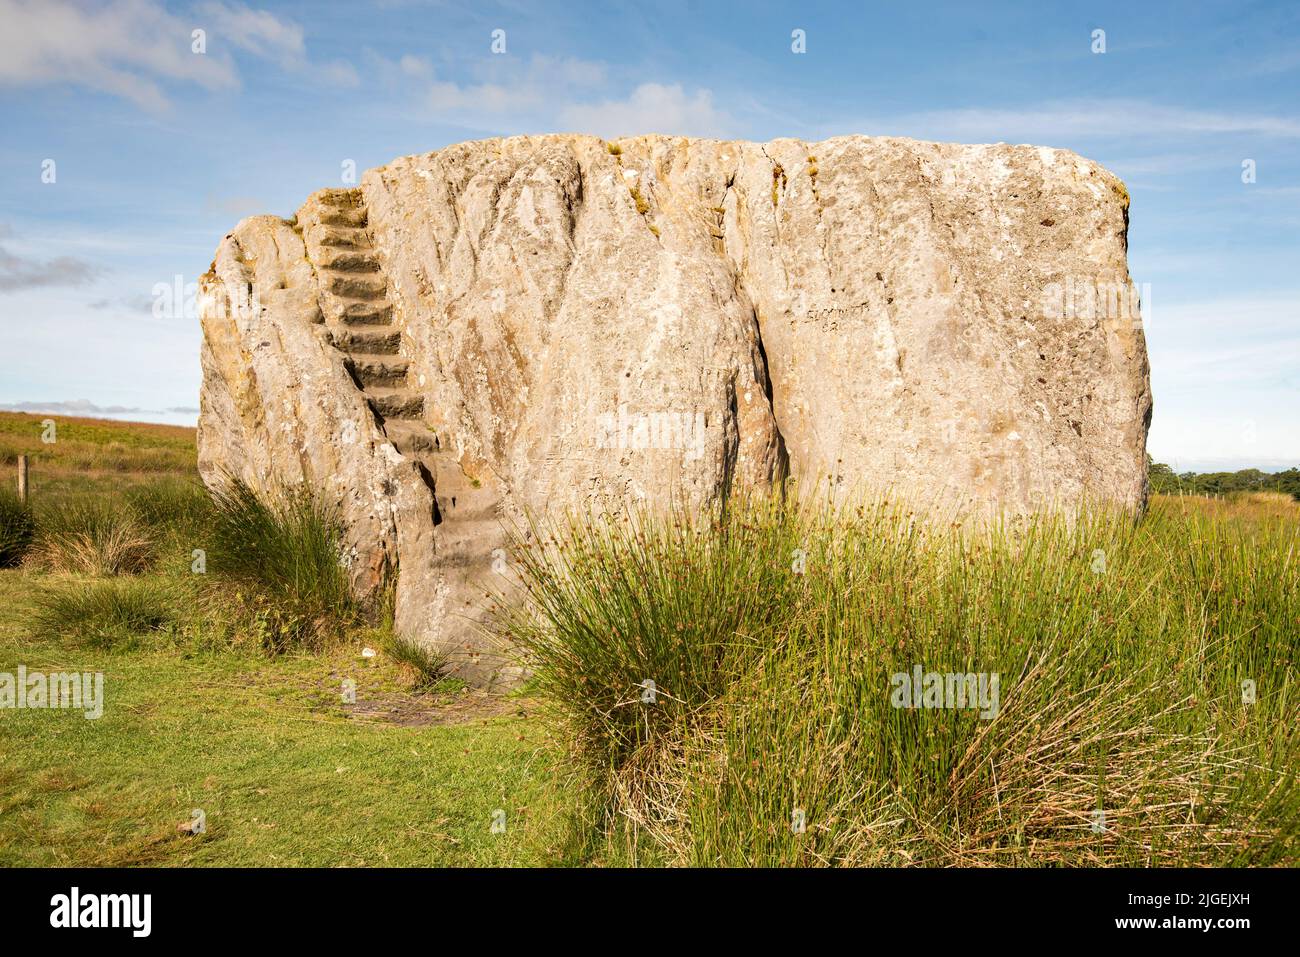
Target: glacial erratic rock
x,y
550,322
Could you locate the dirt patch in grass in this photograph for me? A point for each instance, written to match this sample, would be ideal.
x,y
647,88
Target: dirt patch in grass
x,y
421,710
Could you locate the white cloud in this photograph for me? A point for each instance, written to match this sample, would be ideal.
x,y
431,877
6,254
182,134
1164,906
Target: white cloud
x,y
177,415
259,32
110,358
132,48
1225,375
506,88
555,94
1246,343
1074,119
264,35
652,108
124,48
232,207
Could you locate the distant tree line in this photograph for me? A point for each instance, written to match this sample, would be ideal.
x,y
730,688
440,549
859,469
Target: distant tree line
x,y
1166,481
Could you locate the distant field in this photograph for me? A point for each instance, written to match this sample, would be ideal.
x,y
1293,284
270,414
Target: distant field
x,y
94,452
1135,707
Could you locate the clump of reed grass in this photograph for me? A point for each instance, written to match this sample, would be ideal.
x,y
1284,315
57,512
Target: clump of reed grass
x,y
171,507
17,529
425,668
772,631
109,613
91,535
280,559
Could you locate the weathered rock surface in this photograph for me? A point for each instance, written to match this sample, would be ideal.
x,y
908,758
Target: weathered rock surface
x,y
538,323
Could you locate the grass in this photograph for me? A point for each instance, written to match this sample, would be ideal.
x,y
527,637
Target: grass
x,y
284,561
427,669
779,181
772,635
95,448
112,612
286,774
173,507
642,204
17,529
197,715
91,534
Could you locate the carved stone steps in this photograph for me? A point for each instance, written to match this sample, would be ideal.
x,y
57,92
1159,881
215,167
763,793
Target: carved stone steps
x,y
351,261
391,403
377,369
343,198
470,509
471,518
342,237
363,312
354,299
411,438
354,286
377,340
343,217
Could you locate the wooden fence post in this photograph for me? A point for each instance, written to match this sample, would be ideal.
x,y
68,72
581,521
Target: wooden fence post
x,y
22,478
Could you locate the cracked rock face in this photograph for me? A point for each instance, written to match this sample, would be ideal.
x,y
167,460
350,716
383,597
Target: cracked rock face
x,y
554,322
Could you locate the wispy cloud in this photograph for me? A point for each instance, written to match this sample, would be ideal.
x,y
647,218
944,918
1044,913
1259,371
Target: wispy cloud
x,y
68,407
84,407
1225,374
1242,342
1071,120
1276,63
651,108
502,91
1172,163
134,304
548,94
21,272
126,48
232,207
268,37
134,48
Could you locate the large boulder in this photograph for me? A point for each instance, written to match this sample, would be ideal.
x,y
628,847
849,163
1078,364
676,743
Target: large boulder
x,y
542,323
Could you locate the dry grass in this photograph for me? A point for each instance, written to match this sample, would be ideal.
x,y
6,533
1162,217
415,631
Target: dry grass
x,y
91,536
90,447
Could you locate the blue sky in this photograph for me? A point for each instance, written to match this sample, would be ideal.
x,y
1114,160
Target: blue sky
x,y
158,151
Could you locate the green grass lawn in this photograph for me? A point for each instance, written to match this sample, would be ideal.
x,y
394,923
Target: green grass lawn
x,y
285,773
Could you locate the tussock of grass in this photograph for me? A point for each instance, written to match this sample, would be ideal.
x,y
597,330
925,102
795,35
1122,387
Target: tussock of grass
x,y
281,562
771,634
178,515
91,535
425,668
109,613
642,204
95,534
779,181
17,529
